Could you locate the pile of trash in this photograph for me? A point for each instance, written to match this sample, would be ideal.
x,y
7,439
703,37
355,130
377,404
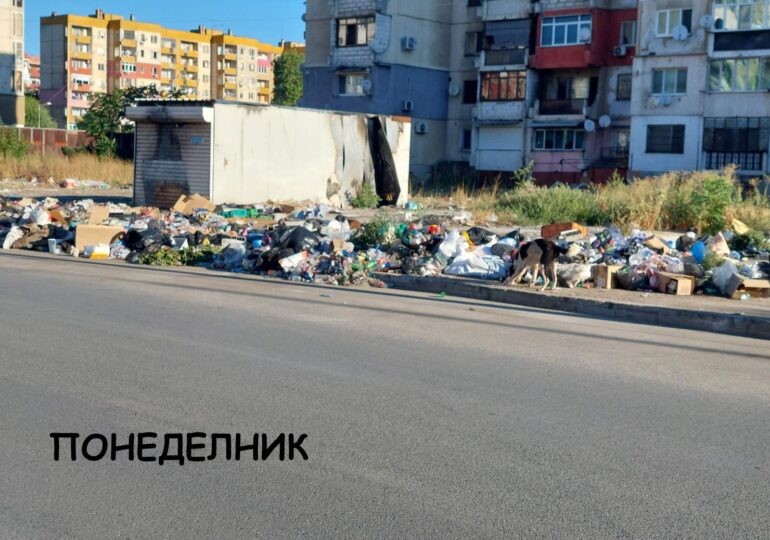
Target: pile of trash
x,y
319,245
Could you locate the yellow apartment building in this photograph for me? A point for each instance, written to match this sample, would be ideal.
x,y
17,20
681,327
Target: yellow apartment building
x,y
81,56
12,62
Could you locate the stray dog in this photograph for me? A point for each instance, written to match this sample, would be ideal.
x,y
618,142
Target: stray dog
x,y
540,255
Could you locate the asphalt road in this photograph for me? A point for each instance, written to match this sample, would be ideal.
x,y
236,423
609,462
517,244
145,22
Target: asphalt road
x,y
426,417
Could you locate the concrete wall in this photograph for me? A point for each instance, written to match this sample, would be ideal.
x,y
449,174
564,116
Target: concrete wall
x,y
642,163
281,153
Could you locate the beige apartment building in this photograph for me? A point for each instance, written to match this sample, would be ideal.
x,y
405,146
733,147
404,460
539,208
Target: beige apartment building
x,y
82,55
11,62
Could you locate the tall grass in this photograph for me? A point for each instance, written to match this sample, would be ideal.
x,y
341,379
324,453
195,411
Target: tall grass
x,y
84,166
705,201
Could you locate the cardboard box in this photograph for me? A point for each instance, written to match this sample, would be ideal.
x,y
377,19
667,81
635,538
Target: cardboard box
x,y
656,244
188,204
552,231
677,284
605,277
98,215
91,235
740,285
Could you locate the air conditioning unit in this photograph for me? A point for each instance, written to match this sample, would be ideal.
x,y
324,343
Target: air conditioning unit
x,y
421,128
407,105
408,43
620,50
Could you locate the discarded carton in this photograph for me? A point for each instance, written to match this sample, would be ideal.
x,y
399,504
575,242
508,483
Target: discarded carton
x,y
188,204
98,215
678,284
740,227
552,231
656,244
58,217
92,235
605,277
740,285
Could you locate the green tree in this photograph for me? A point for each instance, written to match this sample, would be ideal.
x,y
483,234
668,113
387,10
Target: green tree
x,y
287,73
106,115
36,115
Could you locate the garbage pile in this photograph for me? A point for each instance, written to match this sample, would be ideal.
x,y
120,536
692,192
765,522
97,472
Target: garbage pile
x,y
316,244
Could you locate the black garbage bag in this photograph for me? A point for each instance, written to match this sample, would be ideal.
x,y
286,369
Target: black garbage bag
x,y
515,235
500,250
480,236
297,239
632,281
684,243
142,240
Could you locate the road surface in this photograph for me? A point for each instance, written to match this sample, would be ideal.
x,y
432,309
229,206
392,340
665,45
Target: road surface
x,y
426,417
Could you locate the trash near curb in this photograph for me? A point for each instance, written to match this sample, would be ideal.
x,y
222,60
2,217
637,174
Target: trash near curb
x,y
708,321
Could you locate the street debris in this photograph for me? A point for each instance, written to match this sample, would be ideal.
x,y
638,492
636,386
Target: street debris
x,y
316,244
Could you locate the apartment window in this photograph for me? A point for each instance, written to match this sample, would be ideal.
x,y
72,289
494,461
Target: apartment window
x,y
154,72
665,139
154,55
669,81
466,140
100,67
252,54
559,139
355,32
628,33
470,91
141,69
205,64
558,31
742,14
251,67
503,85
18,25
668,19
564,88
623,91
206,49
128,68
353,84
739,75
474,43
741,141
154,39
141,53
19,48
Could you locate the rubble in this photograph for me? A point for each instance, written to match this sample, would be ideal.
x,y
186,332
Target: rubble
x,y
317,244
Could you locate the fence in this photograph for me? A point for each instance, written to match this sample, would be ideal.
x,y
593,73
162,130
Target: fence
x,y
53,140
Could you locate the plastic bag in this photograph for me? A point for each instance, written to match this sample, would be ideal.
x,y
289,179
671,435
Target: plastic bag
x,y
721,275
453,245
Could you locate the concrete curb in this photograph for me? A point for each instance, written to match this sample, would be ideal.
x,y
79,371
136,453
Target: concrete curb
x,y
733,324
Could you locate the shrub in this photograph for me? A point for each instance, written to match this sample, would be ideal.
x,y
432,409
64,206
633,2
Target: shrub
x,y
366,198
12,144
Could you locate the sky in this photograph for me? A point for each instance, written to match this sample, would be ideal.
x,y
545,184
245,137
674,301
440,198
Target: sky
x,y
266,20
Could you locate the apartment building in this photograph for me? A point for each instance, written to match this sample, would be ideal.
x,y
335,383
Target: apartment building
x,y
83,55
702,96
11,62
31,74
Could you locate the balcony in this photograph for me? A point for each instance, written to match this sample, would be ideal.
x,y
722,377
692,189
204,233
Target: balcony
x,y
167,65
264,91
561,107
81,55
166,80
128,42
495,10
79,87
231,85
745,161
499,112
231,71
190,68
84,40
504,57
130,59
190,53
168,50
190,83
228,55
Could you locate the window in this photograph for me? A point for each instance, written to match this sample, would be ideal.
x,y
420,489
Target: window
x,y
100,67
665,139
205,78
128,68
563,88
353,84
205,64
474,43
470,91
251,67
155,55
557,31
18,25
153,39
628,33
668,19
206,49
742,14
503,85
466,139
623,91
739,75
474,3
155,72
558,139
355,32
669,81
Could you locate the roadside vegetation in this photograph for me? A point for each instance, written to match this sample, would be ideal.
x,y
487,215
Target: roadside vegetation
x,y
705,201
18,161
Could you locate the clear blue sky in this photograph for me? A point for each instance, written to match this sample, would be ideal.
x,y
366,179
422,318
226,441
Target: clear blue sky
x,y
266,20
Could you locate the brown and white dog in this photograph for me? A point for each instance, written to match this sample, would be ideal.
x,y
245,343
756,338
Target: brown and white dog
x,y
541,256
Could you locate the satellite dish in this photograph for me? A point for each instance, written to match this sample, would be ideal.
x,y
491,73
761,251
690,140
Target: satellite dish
x,y
666,99
605,121
366,85
680,33
706,21
585,35
454,89
654,101
589,125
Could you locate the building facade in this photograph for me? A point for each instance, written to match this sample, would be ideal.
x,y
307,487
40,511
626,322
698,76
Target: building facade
x,y
101,53
583,89
31,74
12,62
